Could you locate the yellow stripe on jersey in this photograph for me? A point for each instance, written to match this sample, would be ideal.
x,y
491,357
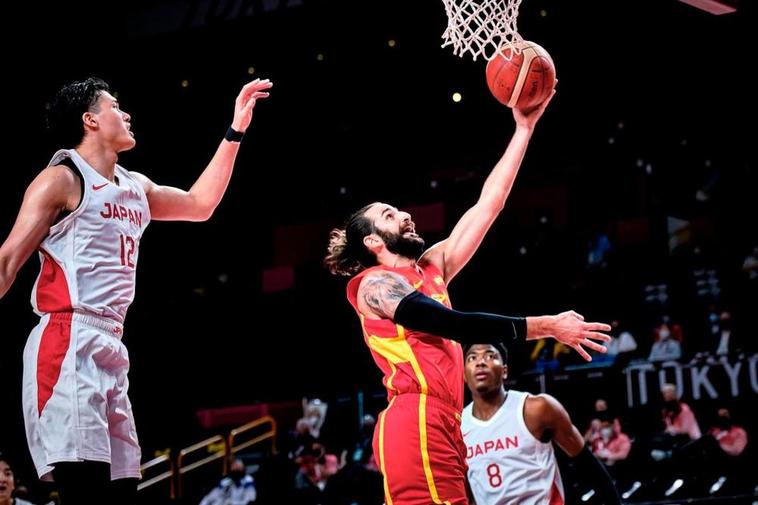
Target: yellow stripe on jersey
x,y
397,350
440,297
425,451
392,376
381,453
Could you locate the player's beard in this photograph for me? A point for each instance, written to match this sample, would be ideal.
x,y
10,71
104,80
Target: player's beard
x,y
406,247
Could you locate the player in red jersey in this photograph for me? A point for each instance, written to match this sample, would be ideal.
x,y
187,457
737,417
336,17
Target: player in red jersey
x,y
400,294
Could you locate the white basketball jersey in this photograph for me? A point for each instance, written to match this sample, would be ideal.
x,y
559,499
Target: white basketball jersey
x,y
88,259
506,464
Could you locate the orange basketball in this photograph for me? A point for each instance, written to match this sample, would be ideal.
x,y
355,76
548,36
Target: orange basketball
x,y
524,80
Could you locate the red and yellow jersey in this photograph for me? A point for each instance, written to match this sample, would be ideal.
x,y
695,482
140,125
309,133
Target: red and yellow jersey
x,y
414,361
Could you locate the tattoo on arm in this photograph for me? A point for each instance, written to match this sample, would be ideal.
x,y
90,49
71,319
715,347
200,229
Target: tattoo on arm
x,y
383,291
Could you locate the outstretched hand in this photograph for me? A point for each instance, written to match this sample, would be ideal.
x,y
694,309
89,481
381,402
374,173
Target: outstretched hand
x,y
527,118
243,106
570,329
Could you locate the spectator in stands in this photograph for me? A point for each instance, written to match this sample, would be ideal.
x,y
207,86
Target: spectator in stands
x,y
732,439
613,445
671,450
678,418
725,343
237,488
601,413
724,447
314,412
310,481
620,349
300,437
623,342
713,460
666,347
8,483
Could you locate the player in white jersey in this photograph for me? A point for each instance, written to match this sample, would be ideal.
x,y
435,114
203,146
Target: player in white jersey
x,y
508,437
85,215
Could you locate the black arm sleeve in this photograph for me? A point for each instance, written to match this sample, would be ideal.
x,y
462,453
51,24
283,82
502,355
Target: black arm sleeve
x,y
598,476
420,312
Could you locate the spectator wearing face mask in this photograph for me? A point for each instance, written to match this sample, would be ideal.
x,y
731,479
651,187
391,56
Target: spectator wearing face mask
x,y
723,454
665,347
602,413
716,458
237,488
670,468
732,439
613,445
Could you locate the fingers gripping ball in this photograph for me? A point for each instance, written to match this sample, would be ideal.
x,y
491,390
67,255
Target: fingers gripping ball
x,y
521,79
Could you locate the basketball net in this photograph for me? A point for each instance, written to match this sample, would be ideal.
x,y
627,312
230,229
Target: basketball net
x,y
481,27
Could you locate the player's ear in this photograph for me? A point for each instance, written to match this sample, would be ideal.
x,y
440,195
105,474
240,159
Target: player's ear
x,y
89,119
373,242
505,372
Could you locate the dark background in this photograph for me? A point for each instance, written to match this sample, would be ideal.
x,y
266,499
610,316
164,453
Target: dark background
x,y
643,82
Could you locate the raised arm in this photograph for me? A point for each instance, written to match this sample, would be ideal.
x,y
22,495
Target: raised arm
x,y
173,204
453,253
54,190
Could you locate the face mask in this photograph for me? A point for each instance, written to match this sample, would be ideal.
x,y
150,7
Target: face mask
x,y
664,334
606,433
236,475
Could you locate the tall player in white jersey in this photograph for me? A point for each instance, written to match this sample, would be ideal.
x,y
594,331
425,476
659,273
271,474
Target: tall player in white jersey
x,y
85,215
508,437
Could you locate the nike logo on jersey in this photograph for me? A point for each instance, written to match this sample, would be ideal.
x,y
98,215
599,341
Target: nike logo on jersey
x,y
101,186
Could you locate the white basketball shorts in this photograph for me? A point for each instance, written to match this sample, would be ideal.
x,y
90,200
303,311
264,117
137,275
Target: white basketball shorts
x,y
75,395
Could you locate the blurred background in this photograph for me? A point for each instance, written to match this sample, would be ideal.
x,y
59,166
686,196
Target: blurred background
x,y
635,202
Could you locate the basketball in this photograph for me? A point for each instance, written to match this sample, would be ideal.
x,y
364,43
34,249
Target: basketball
x,y
523,80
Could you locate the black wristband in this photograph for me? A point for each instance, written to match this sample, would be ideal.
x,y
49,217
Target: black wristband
x,y
233,135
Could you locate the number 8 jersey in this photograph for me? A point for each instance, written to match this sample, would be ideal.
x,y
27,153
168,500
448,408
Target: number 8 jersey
x,y
89,257
506,463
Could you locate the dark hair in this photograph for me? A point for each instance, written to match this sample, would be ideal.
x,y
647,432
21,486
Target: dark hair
x,y
7,459
347,254
64,119
499,347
